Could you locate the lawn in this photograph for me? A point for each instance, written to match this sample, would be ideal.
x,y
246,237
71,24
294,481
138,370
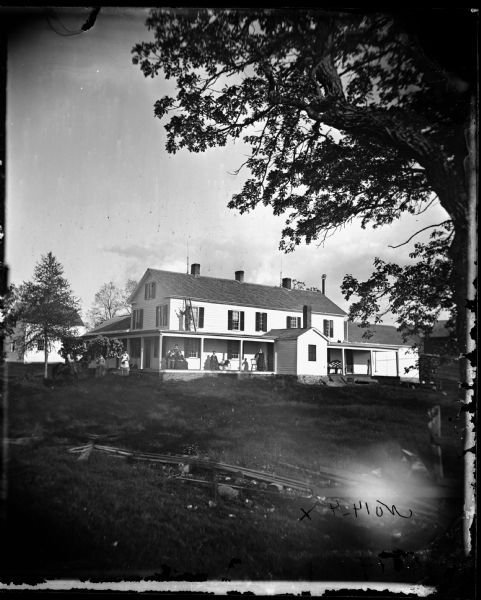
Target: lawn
x,y
106,517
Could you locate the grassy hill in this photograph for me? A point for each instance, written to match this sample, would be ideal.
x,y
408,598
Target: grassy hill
x,y
106,517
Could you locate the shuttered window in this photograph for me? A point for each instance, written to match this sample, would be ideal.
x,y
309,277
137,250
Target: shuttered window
x,y
235,320
149,290
261,321
162,315
293,322
311,351
328,326
137,318
194,318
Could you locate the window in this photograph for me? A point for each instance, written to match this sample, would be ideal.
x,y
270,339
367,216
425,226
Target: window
x,y
261,321
192,348
137,318
235,320
233,349
328,326
12,346
149,290
293,322
162,315
40,345
194,317
311,349
135,347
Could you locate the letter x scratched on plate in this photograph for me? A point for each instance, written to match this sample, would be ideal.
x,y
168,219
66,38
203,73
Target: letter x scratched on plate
x,y
306,514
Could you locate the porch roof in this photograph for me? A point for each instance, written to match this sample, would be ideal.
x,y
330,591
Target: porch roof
x,y
365,346
127,333
291,333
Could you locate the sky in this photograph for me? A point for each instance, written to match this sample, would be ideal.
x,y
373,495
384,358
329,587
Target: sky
x,y
89,179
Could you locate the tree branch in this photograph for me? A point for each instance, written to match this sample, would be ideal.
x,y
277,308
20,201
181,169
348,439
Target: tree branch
x,y
417,232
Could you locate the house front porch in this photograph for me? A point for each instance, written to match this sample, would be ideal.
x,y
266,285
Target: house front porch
x,y
151,351
369,360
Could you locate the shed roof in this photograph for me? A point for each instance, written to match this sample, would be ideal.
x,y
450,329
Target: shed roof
x,y
231,291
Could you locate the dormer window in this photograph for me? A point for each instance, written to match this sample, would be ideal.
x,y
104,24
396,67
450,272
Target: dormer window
x,y
149,290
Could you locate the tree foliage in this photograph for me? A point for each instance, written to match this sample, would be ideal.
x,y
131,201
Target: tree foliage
x,y
73,345
348,115
46,306
107,347
425,278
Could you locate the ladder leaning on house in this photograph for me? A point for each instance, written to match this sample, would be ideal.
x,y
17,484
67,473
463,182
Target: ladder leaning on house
x,y
190,312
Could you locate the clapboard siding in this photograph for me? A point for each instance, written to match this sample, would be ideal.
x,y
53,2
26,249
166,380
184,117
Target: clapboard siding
x,y
286,357
216,316
304,365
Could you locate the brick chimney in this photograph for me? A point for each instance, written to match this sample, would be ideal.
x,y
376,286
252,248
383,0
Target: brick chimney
x,y
306,317
195,270
239,276
287,283
323,284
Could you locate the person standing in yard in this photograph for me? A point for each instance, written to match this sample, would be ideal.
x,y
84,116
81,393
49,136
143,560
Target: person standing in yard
x,y
70,361
100,366
124,363
260,360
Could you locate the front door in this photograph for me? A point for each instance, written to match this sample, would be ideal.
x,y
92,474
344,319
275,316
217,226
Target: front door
x,y
147,352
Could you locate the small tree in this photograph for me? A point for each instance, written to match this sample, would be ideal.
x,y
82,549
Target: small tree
x,y
47,307
73,345
107,347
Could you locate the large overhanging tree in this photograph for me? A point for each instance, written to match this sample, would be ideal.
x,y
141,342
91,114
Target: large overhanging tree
x,y
349,116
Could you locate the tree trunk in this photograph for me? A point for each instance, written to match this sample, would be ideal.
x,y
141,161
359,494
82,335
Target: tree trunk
x,y
45,353
469,308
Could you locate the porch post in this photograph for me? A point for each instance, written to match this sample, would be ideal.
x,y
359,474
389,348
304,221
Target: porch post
x,y
160,352
372,364
343,367
141,353
241,351
397,363
201,353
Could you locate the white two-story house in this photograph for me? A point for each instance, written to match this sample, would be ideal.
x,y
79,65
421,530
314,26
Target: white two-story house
x,y
299,332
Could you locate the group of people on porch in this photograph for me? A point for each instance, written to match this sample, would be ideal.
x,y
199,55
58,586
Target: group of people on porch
x,y
176,360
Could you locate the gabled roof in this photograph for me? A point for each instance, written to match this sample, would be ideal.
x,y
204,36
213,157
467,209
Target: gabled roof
x,y
291,334
382,334
115,324
230,291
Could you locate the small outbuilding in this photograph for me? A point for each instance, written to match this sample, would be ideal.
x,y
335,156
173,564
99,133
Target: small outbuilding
x,y
300,351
